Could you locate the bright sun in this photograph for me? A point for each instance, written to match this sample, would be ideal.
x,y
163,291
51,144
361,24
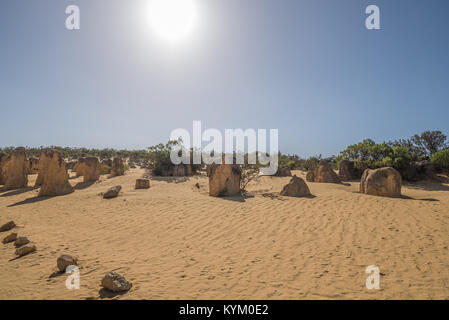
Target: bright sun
x,y
173,20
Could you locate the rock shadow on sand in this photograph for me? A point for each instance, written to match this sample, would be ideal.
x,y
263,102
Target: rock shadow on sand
x,y
424,199
10,193
21,257
29,200
171,179
278,196
106,294
431,186
237,198
56,274
83,185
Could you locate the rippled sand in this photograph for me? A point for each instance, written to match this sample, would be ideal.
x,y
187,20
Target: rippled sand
x,y
173,241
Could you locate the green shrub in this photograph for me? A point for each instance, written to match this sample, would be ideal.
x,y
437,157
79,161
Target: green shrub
x,y
105,169
160,156
368,154
125,167
441,158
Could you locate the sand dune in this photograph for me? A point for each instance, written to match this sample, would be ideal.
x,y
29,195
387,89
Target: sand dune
x,y
173,241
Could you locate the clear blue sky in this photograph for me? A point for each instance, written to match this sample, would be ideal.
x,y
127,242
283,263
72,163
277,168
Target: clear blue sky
x,y
307,67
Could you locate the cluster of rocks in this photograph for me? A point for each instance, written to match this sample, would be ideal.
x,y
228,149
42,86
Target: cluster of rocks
x,y
52,171
22,244
113,192
112,281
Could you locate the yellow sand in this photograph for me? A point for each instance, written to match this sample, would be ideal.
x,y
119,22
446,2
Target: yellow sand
x,y
173,241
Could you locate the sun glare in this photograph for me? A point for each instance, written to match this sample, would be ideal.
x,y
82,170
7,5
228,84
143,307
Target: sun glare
x,y
173,20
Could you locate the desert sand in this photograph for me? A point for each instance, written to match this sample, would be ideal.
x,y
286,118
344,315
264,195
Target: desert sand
x,y
173,241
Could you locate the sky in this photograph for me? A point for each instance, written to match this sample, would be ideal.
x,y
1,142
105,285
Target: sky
x,y
308,68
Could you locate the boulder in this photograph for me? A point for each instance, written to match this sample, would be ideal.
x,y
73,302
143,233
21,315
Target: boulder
x,y
296,188
3,158
347,170
167,172
24,250
142,184
284,172
325,174
79,167
179,171
112,192
7,226
44,162
65,261
115,282
90,167
189,170
15,170
384,182
21,241
224,180
10,238
53,174
117,167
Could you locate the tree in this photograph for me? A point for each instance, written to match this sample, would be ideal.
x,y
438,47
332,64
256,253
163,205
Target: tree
x,y
368,154
429,142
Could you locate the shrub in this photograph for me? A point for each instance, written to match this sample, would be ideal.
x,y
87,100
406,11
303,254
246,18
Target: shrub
x,y
249,172
125,167
160,156
441,158
105,169
368,154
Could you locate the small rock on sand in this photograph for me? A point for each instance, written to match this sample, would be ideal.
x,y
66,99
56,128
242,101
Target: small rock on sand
x,y
20,241
12,237
115,282
66,260
24,250
112,192
7,226
142,184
